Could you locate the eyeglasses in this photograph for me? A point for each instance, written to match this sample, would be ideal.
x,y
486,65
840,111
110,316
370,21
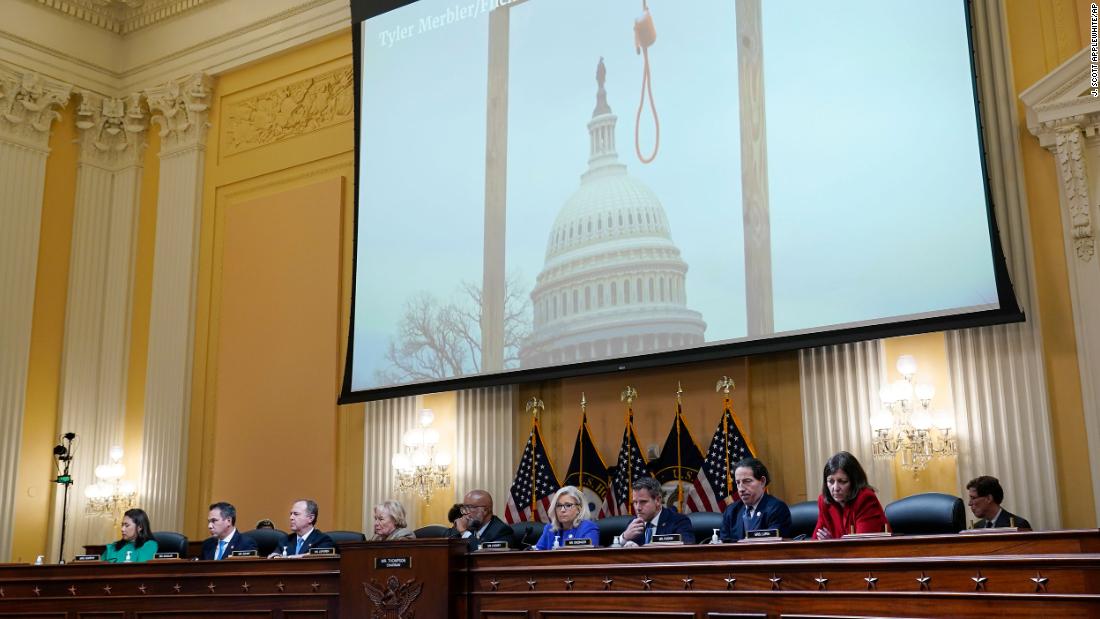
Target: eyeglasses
x,y
566,505
471,508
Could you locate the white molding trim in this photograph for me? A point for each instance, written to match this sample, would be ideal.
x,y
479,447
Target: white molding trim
x,y
1065,117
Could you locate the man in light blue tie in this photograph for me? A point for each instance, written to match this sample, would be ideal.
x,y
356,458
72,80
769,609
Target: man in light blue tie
x,y
222,523
303,535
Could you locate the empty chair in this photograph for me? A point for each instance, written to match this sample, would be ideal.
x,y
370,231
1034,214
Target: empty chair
x,y
344,537
612,526
170,541
526,534
929,513
703,525
431,530
267,540
803,518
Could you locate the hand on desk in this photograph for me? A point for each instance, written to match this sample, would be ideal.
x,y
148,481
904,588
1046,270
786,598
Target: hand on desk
x,y
823,533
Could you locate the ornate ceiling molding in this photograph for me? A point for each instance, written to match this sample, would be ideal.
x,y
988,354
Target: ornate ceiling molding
x,y
28,106
123,16
112,131
181,108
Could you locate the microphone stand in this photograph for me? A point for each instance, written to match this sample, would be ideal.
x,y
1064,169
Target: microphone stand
x,y
64,454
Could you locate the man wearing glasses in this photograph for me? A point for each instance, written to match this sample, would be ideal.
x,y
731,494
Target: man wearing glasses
x,y
477,524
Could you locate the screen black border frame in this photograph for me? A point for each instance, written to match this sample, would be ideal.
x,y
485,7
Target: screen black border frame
x,y
1008,312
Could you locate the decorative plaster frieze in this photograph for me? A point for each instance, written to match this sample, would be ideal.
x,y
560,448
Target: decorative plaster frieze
x,y
28,106
181,108
1069,152
122,16
112,131
288,111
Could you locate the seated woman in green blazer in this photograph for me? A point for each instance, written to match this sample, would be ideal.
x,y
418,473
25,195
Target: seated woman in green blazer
x,y
137,540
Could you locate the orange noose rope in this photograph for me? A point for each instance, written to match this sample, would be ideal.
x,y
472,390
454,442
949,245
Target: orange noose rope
x,y
644,36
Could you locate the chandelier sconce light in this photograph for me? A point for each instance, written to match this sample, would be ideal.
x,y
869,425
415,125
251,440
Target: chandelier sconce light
x,y
420,467
906,424
111,495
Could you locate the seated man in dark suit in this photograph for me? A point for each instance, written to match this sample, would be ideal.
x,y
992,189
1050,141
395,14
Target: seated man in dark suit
x,y
303,536
985,499
652,518
757,509
477,524
222,522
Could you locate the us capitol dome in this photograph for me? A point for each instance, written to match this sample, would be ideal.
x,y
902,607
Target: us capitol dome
x,y
613,280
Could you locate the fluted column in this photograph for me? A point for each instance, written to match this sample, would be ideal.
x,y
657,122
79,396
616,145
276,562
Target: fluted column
x,y
997,380
385,423
840,386
28,104
97,314
180,108
484,439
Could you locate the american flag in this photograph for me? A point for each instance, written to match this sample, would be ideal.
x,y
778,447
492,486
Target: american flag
x,y
535,477
714,483
630,466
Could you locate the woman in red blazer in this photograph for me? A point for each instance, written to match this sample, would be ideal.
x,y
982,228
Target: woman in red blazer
x,y
847,503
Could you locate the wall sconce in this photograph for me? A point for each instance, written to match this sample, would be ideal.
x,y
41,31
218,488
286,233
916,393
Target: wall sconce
x,y
419,467
906,424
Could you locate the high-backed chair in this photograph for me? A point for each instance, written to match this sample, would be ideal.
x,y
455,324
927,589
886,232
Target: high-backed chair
x,y
170,541
431,530
612,526
267,540
929,513
344,537
703,525
803,518
526,534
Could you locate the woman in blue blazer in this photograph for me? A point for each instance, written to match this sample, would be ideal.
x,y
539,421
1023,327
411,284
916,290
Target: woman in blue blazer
x,y
569,519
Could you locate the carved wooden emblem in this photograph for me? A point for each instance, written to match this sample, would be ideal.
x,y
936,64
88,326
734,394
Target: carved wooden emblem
x,y
395,600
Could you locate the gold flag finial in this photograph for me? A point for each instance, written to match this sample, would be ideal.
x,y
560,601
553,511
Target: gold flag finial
x,y
679,392
584,403
536,405
628,395
725,384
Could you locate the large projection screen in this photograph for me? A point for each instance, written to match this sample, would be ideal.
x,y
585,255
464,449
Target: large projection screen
x,y
548,188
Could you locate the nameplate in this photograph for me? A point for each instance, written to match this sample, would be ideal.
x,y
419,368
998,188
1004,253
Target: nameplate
x,y
391,563
494,546
986,530
667,539
234,554
762,535
580,542
167,555
80,558
866,535
325,552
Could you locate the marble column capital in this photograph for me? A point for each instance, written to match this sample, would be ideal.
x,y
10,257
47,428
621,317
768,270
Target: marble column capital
x,y
112,131
181,108
28,106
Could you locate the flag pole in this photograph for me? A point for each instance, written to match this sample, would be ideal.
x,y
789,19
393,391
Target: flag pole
x,y
679,482
725,384
584,424
534,405
628,395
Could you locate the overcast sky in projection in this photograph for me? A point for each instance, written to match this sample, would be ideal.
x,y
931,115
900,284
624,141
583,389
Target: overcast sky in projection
x,y
874,173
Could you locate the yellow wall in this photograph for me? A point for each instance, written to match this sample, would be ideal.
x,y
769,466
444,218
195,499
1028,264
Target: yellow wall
x,y
272,303
1043,34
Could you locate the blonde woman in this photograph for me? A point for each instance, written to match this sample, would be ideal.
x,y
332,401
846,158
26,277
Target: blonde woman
x,y
569,519
390,523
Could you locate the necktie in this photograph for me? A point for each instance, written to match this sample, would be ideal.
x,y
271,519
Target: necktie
x,y
648,532
221,550
298,548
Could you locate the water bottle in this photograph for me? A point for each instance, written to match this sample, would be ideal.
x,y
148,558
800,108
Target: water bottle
x,y
39,560
557,542
129,557
617,541
714,537
284,551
